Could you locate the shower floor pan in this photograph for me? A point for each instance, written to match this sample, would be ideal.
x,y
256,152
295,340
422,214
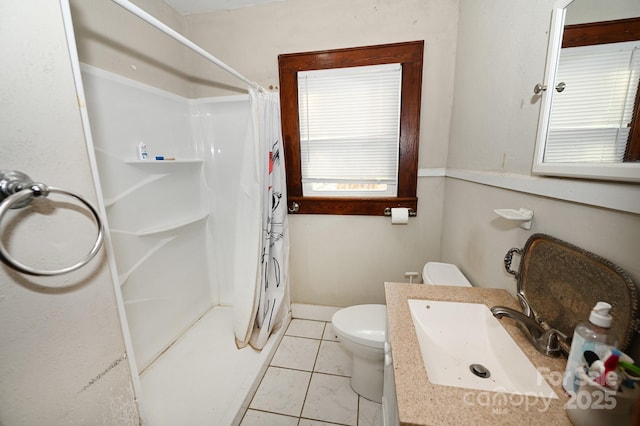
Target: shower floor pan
x,y
203,378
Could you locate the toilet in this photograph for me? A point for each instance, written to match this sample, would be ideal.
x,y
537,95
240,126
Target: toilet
x,y
361,331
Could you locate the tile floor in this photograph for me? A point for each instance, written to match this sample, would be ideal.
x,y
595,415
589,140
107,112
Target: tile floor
x,y
307,383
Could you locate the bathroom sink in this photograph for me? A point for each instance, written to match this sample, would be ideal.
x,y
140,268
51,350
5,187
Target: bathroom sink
x,y
464,345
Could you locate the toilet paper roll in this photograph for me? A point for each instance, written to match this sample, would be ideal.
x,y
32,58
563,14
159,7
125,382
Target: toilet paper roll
x,y
399,216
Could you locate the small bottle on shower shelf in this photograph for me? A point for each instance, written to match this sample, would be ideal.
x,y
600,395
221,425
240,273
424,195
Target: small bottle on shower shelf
x,y
142,151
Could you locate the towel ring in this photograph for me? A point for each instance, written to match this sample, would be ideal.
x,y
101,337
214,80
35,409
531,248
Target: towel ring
x,y
12,182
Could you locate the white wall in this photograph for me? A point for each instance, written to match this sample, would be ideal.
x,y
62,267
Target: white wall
x,y
62,353
221,124
501,56
344,260
581,11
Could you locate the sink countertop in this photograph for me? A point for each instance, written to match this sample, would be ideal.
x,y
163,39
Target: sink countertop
x,y
421,403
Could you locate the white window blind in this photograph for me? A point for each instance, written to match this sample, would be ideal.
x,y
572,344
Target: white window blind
x,y
349,130
590,118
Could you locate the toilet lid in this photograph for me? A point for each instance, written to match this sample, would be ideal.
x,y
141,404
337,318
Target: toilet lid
x,y
363,324
444,274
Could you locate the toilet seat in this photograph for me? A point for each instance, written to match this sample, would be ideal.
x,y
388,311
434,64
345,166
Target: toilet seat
x,y
363,324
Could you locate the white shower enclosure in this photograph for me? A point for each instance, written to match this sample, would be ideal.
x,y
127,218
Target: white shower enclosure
x,y
172,226
171,221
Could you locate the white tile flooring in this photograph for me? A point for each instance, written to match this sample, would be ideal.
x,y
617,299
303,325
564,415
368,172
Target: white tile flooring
x,y
307,383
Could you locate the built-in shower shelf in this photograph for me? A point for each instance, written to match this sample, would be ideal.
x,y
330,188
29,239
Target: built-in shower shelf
x,y
172,226
157,162
108,202
125,277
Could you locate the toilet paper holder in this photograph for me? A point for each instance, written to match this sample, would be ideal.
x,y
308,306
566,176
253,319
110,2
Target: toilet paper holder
x,y
412,212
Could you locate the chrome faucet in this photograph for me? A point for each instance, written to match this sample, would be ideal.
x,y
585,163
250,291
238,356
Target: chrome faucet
x,y
545,341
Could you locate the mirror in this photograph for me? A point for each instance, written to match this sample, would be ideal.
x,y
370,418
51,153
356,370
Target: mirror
x,y
558,111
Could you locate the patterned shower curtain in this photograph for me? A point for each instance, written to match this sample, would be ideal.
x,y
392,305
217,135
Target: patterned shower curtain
x,y
261,286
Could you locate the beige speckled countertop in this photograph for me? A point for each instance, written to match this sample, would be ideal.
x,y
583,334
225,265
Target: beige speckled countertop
x,y
423,403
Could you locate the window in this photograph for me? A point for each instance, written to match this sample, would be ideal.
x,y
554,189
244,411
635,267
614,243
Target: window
x,y
591,165
358,153
349,130
592,117
602,62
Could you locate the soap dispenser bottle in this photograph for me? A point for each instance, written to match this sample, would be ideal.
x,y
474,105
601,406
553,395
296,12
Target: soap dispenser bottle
x,y
594,335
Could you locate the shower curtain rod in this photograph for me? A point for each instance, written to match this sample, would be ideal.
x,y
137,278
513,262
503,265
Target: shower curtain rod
x,y
185,41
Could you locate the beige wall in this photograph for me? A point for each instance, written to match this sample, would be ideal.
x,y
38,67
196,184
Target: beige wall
x,y
493,131
111,38
250,40
335,260
57,343
344,260
501,56
496,50
62,352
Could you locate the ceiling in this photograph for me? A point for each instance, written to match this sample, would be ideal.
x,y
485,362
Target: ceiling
x,y
187,7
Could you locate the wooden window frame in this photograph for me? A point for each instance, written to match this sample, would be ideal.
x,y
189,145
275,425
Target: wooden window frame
x,y
604,32
410,55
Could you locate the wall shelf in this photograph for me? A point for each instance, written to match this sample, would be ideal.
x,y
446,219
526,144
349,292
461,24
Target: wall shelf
x,y
108,202
125,277
156,162
172,226
522,215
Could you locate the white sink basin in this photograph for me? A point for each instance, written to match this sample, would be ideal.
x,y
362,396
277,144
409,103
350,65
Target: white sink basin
x,y
454,336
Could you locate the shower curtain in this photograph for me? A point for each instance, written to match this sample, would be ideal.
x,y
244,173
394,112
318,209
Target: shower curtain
x,y
261,265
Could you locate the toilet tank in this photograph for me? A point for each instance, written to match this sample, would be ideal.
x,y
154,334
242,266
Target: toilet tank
x,y
444,274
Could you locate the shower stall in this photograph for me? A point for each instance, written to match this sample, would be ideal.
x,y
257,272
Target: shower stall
x,y
172,221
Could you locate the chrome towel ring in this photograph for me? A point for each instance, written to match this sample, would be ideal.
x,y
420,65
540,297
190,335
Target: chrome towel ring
x,y
17,190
